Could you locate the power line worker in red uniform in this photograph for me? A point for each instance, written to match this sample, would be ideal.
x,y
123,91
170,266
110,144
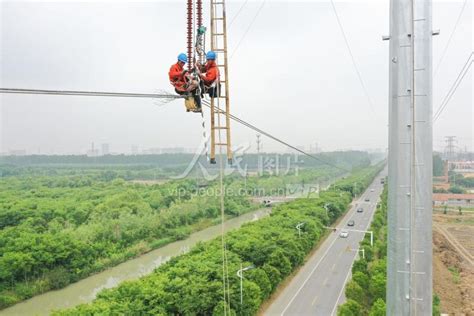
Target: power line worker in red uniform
x,y
209,74
179,78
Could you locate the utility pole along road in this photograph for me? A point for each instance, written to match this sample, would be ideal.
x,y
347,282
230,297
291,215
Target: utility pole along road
x,y
318,288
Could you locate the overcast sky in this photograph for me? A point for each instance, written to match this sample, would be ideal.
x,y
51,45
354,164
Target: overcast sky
x,y
291,74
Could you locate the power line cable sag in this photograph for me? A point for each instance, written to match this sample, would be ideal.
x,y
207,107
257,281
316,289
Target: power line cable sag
x,y
454,83
359,76
248,28
155,96
253,127
237,14
443,54
453,88
91,93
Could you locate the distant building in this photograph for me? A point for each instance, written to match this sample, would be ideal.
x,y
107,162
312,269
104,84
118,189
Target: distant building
x,y
19,152
134,150
441,199
173,150
464,167
152,151
315,149
93,152
105,149
293,151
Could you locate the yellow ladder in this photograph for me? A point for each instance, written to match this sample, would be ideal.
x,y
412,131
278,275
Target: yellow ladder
x,y
220,120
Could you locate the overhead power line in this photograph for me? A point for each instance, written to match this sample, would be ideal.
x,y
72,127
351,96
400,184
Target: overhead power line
x,y
253,127
443,54
91,93
454,87
168,96
237,14
248,28
359,76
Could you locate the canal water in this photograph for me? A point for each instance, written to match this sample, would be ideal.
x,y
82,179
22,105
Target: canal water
x,y
85,290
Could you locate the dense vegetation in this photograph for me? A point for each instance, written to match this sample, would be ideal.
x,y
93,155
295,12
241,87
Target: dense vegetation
x,y
61,222
56,230
460,181
191,284
459,184
438,166
58,226
365,292
345,159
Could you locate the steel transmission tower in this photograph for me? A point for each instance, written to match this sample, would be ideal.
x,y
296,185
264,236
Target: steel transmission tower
x,y
409,265
450,141
258,143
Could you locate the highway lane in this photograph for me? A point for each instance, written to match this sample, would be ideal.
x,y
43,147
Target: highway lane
x,y
318,288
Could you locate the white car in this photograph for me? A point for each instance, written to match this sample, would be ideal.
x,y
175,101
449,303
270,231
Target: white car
x,y
372,190
344,234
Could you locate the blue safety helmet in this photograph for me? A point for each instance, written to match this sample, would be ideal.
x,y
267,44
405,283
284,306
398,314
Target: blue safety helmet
x,y
183,57
211,55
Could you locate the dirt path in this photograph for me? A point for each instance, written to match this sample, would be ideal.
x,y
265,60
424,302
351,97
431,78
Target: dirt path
x,y
453,268
453,241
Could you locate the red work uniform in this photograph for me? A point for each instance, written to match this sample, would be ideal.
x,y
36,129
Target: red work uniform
x,y
177,77
211,73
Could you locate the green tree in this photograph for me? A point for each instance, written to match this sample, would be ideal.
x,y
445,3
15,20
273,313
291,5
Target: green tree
x,y
438,166
378,308
355,292
377,286
436,305
362,279
360,266
349,308
456,189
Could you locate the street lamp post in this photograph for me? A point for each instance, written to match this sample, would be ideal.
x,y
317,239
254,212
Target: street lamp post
x,y
360,250
354,188
298,227
326,208
239,274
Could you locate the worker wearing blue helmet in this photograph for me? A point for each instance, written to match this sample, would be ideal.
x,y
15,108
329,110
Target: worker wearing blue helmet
x,y
209,74
180,78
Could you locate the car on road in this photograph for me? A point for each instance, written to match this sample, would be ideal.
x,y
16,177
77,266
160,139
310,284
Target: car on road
x,y
344,234
360,210
350,223
372,190
367,199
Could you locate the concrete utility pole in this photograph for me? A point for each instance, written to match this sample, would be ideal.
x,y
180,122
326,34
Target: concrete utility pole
x,y
409,265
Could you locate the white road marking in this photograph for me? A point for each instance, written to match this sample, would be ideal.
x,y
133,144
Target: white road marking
x,y
309,276
343,286
325,282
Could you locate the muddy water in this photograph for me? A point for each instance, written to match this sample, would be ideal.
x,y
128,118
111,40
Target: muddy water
x,y
85,290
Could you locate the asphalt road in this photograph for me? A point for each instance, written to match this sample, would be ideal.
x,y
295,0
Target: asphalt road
x,y
318,288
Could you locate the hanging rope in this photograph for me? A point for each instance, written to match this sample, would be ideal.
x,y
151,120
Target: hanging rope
x,y
204,136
